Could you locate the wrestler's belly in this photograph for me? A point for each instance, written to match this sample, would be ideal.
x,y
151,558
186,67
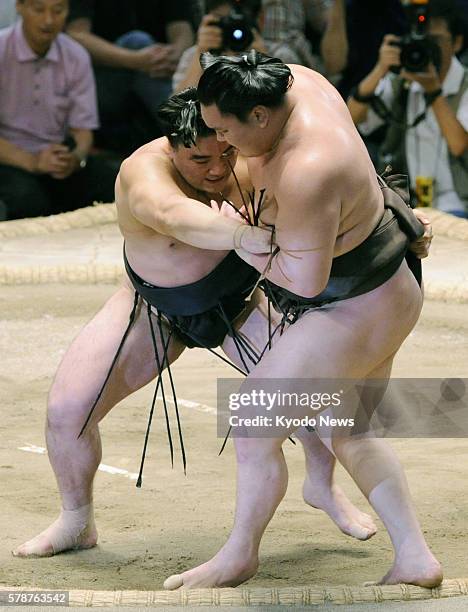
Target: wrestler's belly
x,y
169,263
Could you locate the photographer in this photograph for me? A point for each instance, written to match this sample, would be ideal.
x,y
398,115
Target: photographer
x,y
426,111
210,37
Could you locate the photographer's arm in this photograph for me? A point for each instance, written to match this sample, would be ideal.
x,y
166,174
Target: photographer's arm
x,y
452,130
365,88
209,36
188,76
389,55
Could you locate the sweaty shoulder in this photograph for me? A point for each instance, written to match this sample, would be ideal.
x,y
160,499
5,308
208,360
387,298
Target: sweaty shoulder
x,y
142,160
314,82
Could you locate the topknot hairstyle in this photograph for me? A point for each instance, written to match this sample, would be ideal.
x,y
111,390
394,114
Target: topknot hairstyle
x,y
180,119
237,84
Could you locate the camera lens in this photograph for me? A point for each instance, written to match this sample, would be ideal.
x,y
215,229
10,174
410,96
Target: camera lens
x,y
415,56
237,31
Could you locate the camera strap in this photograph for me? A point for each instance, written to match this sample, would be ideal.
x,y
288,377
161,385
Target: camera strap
x,y
381,109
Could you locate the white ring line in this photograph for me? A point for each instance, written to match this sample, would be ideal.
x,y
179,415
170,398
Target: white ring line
x,y
31,448
189,404
109,469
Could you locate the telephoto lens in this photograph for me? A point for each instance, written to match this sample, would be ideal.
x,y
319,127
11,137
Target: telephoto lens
x,y
237,31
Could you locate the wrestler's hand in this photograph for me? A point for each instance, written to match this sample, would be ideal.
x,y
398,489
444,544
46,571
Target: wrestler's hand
x,y
421,246
228,210
255,240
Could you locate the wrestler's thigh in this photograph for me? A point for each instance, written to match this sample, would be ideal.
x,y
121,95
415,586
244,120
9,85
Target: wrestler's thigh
x,y
371,391
85,365
254,325
347,339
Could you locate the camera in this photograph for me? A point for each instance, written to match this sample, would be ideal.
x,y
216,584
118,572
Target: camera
x,y
418,50
237,30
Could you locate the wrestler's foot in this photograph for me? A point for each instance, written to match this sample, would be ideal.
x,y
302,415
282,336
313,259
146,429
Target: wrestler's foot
x,y
73,530
224,570
339,508
413,566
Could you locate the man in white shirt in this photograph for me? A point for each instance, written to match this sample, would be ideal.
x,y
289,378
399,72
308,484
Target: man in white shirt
x,y
434,142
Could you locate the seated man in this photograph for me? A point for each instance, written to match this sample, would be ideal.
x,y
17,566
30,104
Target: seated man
x,y
427,134
285,23
135,47
47,112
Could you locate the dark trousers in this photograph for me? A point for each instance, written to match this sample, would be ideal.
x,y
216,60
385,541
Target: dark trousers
x,y
23,194
128,101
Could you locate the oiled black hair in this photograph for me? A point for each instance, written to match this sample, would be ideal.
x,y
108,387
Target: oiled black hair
x,y
237,84
180,119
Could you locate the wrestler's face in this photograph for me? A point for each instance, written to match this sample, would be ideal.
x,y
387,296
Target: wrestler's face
x,y
206,166
250,136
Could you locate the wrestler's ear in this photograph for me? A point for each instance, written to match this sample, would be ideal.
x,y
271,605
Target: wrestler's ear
x,y
171,150
261,116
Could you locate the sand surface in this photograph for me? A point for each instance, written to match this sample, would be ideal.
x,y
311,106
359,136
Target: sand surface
x,y
177,521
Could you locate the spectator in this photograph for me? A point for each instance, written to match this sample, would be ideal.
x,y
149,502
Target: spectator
x,y
354,33
135,47
284,29
210,38
7,13
427,135
47,97
317,14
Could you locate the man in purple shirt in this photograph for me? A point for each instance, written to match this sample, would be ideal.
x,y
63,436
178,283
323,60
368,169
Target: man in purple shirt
x,y
47,113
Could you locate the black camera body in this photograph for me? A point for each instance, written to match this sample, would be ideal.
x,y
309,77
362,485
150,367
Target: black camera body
x,y
418,50
237,28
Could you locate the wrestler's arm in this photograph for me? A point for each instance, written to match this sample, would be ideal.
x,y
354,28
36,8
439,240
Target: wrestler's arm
x,y
157,201
307,224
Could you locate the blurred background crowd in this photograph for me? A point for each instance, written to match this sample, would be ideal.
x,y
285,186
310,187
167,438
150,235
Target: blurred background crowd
x,y
81,81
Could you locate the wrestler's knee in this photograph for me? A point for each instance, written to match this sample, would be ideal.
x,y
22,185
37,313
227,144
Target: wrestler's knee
x,y
256,449
65,413
353,451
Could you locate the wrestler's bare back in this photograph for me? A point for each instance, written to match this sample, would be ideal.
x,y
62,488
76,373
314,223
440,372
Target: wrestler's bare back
x,y
160,259
320,130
